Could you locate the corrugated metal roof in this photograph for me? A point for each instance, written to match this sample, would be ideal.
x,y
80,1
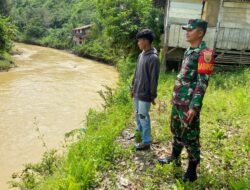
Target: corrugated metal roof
x,y
83,27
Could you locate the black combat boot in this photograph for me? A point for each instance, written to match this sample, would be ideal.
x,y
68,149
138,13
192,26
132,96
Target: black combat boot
x,y
191,174
175,157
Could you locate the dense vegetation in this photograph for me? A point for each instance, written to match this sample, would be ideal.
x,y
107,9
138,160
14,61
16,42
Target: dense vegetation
x,y
115,24
96,159
7,31
4,8
50,22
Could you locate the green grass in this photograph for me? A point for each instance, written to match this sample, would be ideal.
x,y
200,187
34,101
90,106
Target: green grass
x,y
224,140
224,133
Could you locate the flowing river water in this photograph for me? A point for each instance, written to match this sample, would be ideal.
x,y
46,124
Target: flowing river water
x,y
51,90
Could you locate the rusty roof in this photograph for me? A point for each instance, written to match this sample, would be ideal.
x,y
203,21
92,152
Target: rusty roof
x,y
83,27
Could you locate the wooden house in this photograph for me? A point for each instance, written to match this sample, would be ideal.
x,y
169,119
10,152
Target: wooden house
x,y
228,30
80,33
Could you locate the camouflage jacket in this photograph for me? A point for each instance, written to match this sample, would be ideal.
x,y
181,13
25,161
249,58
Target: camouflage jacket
x,y
192,80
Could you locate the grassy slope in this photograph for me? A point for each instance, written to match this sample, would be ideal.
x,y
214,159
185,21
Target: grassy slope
x,y
224,139
224,130
98,159
95,151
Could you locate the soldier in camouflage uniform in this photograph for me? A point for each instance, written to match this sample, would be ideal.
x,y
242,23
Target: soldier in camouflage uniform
x,y
189,90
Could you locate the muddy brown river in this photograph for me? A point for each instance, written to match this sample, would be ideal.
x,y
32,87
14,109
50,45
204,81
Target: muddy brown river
x,y
51,90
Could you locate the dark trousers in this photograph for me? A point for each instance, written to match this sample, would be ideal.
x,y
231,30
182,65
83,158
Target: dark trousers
x,y
185,134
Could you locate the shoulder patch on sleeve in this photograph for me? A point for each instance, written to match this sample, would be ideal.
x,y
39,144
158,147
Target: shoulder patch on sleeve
x,y
206,62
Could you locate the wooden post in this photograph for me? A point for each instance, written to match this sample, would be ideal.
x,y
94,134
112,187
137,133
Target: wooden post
x,y
218,24
203,7
165,44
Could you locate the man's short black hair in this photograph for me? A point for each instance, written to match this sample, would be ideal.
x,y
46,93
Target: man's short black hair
x,y
145,34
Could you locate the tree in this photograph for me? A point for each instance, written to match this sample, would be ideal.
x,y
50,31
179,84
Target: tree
x,y
7,32
4,9
121,20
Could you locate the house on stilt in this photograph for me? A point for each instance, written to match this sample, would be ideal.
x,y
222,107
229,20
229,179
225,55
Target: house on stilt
x,y
80,33
228,30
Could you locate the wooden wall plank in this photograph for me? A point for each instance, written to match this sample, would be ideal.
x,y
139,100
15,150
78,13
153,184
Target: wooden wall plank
x,y
241,39
178,37
182,21
241,44
234,9
197,5
236,38
220,38
174,35
235,25
171,36
229,39
226,38
184,15
185,11
236,15
182,39
233,38
181,11
189,1
209,37
247,46
242,20
237,5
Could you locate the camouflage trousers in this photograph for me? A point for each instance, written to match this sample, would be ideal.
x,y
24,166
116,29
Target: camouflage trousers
x,y
185,134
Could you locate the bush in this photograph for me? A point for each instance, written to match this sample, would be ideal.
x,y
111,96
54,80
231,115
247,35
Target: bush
x,y
7,32
98,50
5,61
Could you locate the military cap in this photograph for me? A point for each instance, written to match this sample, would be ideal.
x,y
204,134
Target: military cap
x,y
196,23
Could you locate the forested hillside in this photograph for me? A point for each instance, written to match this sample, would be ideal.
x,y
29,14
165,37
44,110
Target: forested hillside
x,y
50,22
115,24
7,32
